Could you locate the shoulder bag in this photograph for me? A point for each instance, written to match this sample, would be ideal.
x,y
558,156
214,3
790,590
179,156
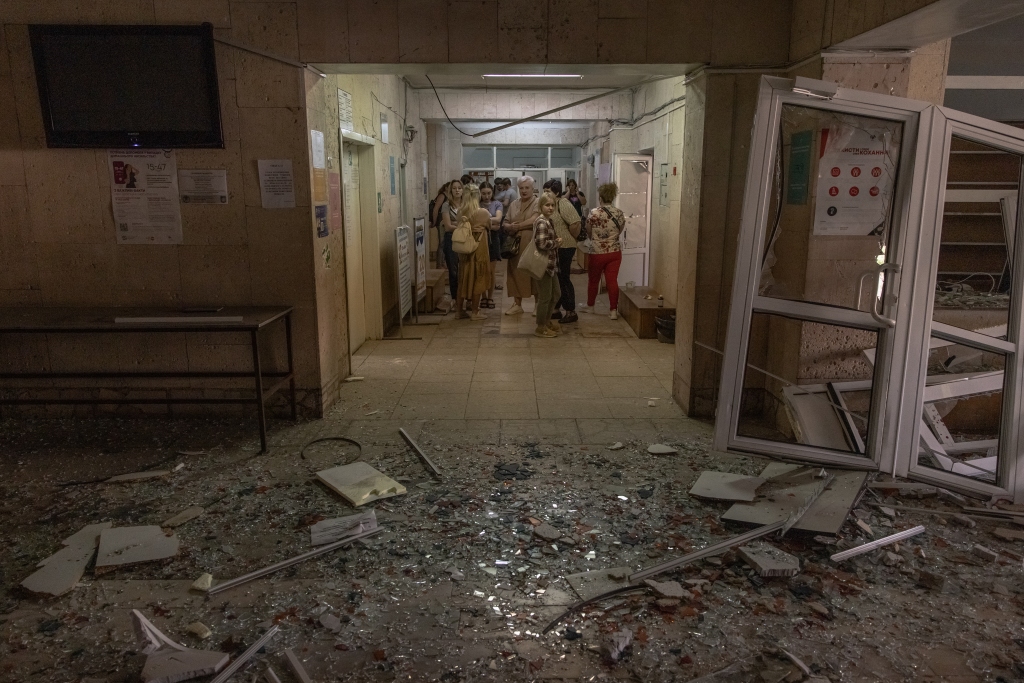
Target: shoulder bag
x,y
534,261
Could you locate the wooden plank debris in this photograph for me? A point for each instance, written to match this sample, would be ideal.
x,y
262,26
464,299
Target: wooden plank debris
x,y
879,543
60,572
120,546
826,515
168,661
295,664
726,486
186,515
333,530
435,470
331,547
246,656
359,484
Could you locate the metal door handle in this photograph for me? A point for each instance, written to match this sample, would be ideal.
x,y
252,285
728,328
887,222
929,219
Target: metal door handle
x,y
881,319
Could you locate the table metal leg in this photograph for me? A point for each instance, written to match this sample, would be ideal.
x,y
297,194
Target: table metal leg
x,y
291,363
258,376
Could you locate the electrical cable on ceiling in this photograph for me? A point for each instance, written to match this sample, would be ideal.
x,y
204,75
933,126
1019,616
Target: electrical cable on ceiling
x,y
443,109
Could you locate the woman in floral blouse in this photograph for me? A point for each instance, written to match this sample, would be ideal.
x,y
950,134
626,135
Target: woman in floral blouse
x,y
604,226
548,290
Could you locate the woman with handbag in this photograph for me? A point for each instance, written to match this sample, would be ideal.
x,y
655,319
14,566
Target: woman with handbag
x,y
521,215
605,225
546,241
495,209
469,239
449,213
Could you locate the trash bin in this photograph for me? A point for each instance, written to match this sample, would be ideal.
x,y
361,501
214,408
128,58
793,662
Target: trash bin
x,y
666,329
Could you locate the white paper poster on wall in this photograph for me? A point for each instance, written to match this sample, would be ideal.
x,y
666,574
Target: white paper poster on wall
x,y
856,173
319,152
202,186
345,110
144,195
277,185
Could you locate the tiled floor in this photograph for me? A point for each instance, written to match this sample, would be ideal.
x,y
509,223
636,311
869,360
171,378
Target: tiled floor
x,y
498,370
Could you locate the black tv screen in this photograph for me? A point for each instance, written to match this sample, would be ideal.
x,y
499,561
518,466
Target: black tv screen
x,y
127,86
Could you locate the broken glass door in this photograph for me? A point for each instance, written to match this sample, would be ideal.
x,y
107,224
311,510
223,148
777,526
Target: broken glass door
x,y
968,395
828,217
633,176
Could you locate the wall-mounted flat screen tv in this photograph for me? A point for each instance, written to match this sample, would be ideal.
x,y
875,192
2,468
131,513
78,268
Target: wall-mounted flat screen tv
x,y
127,86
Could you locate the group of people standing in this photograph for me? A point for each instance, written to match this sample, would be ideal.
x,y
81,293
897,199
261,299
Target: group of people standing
x,y
554,219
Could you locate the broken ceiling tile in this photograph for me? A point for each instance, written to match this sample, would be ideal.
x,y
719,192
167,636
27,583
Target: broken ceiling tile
x,y
186,515
203,583
358,483
126,545
726,486
547,532
588,584
769,561
826,515
60,572
661,449
168,661
618,445
667,589
331,530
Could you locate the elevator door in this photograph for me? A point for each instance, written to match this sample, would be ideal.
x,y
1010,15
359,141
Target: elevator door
x,y
353,249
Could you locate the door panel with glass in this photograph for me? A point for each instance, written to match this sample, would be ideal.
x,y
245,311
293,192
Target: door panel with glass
x,y
876,311
815,312
968,403
633,176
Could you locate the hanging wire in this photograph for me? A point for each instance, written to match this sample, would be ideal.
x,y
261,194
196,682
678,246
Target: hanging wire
x,y
442,107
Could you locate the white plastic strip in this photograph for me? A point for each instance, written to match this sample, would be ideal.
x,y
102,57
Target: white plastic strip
x,y
868,547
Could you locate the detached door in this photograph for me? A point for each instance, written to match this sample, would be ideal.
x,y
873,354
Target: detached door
x,y
965,402
815,358
633,176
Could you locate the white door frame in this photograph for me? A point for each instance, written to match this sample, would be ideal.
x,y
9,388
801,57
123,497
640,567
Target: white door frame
x,y
645,253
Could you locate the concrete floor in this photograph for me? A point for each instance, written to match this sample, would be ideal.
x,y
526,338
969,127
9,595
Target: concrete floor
x,y
458,586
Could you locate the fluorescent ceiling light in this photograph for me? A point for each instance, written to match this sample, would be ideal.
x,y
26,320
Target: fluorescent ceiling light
x,y
533,76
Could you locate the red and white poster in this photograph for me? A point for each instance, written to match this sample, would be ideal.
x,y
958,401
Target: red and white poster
x,y
856,174
144,196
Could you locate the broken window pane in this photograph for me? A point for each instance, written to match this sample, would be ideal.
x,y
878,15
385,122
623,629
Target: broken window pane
x,y
829,215
808,383
972,287
963,408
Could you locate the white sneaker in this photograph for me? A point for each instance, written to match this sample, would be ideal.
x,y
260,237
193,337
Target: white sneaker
x,y
584,309
515,310
614,315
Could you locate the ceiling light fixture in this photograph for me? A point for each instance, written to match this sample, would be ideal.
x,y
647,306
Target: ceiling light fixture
x,y
533,76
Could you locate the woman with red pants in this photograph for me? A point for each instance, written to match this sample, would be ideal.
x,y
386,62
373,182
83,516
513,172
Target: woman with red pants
x,y
604,226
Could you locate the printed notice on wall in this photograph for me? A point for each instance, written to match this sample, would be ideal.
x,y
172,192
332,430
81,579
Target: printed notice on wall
x,y
334,201
856,174
403,250
344,110
277,185
319,153
203,186
144,194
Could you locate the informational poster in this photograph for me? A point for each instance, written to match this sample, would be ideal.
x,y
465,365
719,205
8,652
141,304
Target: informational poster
x,y
203,186
144,195
419,225
799,167
319,153
404,250
334,201
322,229
345,110
856,173
277,184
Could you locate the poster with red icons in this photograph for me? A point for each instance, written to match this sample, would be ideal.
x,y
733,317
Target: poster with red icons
x,y
856,173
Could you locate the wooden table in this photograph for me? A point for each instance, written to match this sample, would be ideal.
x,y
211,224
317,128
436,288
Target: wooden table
x,y
250,319
640,313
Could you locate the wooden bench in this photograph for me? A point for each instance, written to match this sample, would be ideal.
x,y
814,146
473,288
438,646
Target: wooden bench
x,y
640,313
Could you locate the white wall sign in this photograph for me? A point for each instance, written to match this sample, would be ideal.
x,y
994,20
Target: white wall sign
x,y
144,195
384,128
277,184
201,186
345,110
319,153
856,173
